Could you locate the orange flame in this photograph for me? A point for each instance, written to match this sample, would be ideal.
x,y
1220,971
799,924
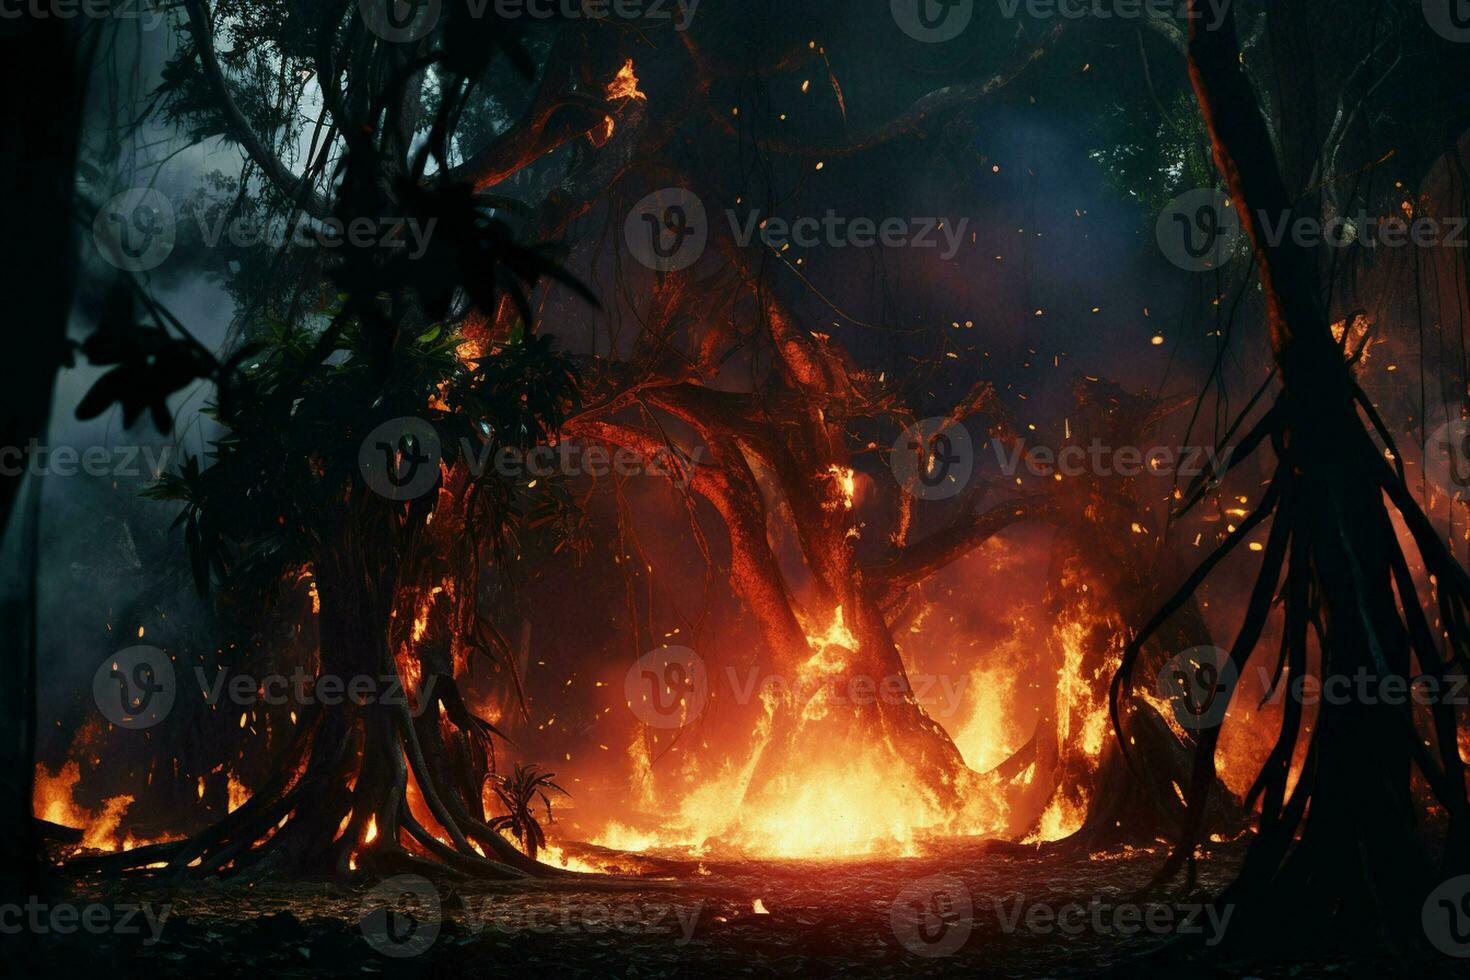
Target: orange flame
x,y
843,794
624,86
54,802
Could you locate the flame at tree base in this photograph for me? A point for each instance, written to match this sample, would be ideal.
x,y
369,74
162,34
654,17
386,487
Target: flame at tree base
x,y
824,779
836,799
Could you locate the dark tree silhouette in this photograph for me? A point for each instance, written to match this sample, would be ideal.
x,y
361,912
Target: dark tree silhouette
x,y
38,147
1347,829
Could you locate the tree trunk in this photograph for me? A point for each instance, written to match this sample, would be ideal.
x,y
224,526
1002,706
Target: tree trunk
x,y
42,76
1358,843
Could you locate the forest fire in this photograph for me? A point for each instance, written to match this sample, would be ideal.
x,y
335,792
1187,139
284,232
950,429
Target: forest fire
x,y
847,794
711,489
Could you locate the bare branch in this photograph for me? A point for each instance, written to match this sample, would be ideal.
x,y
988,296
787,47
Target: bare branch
x,y
967,531
940,101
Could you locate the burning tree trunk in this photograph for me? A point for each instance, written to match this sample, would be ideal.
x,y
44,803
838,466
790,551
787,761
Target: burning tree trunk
x,y
341,794
794,428
1346,829
1070,785
789,434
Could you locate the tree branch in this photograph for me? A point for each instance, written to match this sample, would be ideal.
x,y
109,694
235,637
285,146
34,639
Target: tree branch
x,y
939,101
202,29
963,534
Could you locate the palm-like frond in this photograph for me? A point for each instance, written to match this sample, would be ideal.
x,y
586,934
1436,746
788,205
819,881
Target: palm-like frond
x,y
518,794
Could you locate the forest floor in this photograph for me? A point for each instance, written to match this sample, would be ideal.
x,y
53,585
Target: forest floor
x,y
1029,916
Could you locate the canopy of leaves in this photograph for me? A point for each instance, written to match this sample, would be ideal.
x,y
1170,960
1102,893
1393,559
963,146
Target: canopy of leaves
x,y
288,471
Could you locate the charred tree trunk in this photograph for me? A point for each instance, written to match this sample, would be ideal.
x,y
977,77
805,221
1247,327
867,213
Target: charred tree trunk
x,y
1358,841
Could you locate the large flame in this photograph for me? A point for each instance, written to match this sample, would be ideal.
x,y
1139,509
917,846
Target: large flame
x,y
54,802
845,792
